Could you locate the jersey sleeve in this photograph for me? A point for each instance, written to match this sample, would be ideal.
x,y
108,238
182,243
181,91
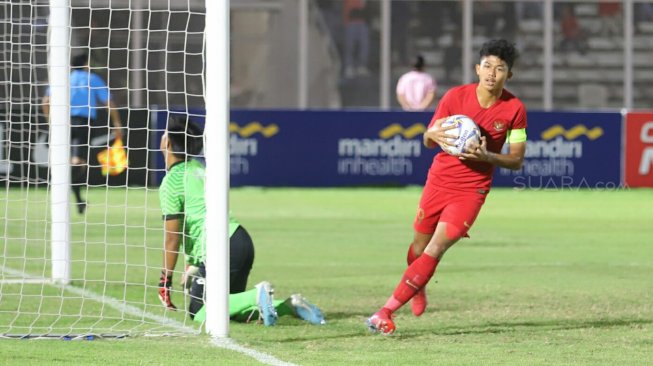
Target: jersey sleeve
x,y
517,131
171,198
520,119
99,88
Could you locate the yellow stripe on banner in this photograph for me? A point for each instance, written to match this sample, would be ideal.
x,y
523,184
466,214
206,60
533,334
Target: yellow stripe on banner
x,y
254,127
414,130
573,132
397,129
390,131
552,132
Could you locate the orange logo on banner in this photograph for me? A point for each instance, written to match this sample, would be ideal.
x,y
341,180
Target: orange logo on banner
x,y
639,150
113,159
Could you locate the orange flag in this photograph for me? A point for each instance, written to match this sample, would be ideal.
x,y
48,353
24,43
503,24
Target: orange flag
x,y
113,159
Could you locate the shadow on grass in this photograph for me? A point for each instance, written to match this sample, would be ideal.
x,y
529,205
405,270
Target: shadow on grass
x,y
407,332
544,325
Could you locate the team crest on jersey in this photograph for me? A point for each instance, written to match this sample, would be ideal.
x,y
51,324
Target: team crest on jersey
x,y
499,125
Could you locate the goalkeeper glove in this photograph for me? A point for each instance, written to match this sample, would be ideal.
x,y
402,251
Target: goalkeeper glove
x,y
187,277
165,283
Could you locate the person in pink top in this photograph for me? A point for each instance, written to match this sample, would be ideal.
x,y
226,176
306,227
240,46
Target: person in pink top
x,y
416,89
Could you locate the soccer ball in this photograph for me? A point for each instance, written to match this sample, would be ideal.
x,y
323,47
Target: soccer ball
x,y
466,130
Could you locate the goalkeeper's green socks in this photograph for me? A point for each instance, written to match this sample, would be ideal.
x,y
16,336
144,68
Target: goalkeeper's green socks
x,y
243,307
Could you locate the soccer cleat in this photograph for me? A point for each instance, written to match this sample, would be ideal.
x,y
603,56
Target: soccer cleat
x,y
381,322
418,304
165,285
164,297
264,301
306,310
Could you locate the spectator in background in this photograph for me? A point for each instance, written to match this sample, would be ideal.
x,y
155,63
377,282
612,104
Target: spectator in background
x,y
528,10
416,89
332,14
490,16
453,55
643,14
87,91
400,31
357,43
610,12
573,36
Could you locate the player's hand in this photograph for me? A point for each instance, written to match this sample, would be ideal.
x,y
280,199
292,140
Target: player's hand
x,y
437,135
187,277
165,284
476,151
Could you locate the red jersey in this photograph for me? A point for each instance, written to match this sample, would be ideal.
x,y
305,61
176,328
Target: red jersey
x,y
507,113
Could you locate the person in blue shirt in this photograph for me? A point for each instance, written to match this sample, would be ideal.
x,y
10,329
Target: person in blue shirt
x,y
88,93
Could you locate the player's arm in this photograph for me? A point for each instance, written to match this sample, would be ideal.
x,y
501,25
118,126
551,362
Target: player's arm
x,y
172,240
172,244
45,106
436,134
104,96
115,118
512,160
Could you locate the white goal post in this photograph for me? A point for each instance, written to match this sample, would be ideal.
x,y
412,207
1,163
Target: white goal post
x,y
72,272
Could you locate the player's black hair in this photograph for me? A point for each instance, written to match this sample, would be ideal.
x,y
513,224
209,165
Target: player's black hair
x,y
79,61
185,137
419,63
501,49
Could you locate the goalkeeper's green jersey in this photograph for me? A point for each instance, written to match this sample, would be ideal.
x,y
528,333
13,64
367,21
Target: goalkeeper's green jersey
x,y
182,197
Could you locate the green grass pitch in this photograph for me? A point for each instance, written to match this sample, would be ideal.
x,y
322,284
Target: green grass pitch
x,y
548,278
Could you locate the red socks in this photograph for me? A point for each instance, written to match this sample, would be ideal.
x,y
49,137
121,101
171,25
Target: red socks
x,y
417,275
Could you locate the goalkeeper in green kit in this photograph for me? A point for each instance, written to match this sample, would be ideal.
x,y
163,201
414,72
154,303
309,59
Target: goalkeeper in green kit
x,y
183,205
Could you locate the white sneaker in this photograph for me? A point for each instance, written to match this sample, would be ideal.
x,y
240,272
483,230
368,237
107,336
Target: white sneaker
x,y
264,301
306,310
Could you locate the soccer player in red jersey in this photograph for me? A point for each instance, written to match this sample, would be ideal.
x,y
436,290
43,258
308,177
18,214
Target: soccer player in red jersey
x,y
456,186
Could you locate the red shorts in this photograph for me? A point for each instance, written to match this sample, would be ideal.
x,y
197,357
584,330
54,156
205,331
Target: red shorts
x,y
457,208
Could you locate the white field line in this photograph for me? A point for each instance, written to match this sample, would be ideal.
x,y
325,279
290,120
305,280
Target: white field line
x,y
229,343
225,343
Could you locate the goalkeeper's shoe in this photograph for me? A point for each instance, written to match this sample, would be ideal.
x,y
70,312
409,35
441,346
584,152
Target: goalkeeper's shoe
x,y
264,301
306,310
418,304
165,283
381,322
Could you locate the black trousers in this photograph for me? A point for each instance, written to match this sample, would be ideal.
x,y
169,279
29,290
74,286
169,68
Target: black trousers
x,y
241,259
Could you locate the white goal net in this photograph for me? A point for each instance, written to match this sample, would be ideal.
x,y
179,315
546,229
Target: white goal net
x,y
150,54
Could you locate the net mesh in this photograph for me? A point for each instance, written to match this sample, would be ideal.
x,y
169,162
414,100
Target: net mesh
x,y
150,53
